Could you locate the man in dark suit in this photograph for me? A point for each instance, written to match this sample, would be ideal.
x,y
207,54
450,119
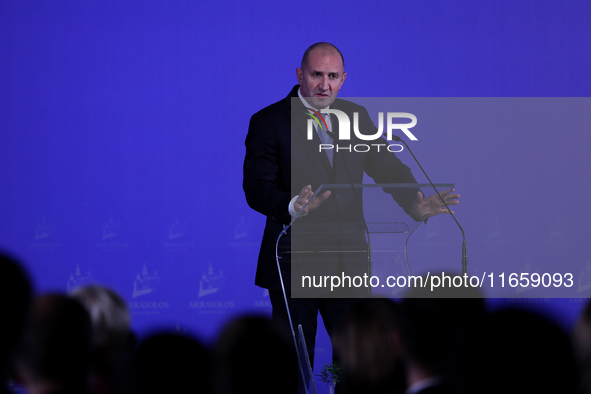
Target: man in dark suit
x,y
283,167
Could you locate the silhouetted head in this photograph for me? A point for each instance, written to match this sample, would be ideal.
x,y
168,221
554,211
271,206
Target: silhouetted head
x,y
171,363
582,346
368,350
56,344
15,300
113,340
434,323
108,312
254,355
520,352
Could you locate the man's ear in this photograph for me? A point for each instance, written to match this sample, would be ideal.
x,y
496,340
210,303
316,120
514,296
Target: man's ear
x,y
300,75
343,81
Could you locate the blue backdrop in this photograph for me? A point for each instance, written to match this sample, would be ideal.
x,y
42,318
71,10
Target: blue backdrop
x,y
122,127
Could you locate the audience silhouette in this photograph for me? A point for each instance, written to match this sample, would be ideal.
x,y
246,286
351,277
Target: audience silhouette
x,y
171,363
112,338
369,349
15,300
54,356
430,342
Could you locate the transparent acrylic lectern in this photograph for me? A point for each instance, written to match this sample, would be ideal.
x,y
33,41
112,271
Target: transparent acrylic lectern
x,y
350,248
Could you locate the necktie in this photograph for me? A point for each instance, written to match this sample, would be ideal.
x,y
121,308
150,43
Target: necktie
x,y
325,138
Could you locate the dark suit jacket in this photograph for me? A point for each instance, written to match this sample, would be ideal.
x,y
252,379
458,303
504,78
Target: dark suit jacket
x,y
280,161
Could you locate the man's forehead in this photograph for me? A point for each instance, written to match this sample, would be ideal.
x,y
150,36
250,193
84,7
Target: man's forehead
x,y
325,51
321,57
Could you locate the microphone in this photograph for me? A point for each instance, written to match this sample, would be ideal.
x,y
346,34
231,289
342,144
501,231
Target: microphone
x,y
464,244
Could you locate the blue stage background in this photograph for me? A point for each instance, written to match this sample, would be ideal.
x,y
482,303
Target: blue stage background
x,y
122,127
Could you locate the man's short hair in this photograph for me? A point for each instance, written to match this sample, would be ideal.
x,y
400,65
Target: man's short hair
x,y
108,313
319,45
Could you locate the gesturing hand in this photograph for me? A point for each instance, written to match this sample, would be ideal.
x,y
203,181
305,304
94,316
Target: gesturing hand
x,y
426,207
305,195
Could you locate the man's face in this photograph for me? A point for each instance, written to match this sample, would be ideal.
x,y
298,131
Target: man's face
x,y
322,77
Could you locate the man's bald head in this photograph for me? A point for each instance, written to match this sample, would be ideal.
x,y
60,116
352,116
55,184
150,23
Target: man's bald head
x,y
326,47
321,75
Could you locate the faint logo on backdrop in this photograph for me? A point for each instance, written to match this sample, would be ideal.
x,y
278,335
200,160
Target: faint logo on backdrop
x,y
243,239
77,279
494,230
585,279
44,236
211,282
557,228
145,283
265,301
43,230
496,234
242,229
582,301
213,307
176,236
430,236
110,235
111,229
431,233
147,307
177,229
558,232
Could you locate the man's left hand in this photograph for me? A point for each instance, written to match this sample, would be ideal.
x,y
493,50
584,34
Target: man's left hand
x,y
426,207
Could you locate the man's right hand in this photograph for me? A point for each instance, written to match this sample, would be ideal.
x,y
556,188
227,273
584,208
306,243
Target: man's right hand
x,y
305,195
